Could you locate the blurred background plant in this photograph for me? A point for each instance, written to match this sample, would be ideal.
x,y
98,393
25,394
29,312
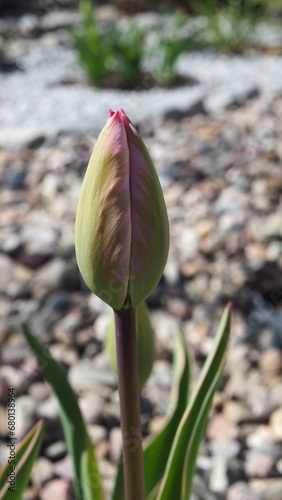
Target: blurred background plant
x,y
121,52
2,51
5,63
230,25
164,46
111,53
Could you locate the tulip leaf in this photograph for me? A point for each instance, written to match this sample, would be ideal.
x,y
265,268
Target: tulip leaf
x,y
21,464
196,438
157,450
177,480
87,477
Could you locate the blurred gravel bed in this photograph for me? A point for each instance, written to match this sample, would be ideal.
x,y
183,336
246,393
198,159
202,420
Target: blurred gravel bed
x,y
221,174
44,89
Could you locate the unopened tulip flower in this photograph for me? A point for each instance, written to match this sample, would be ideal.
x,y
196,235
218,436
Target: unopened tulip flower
x,y
121,231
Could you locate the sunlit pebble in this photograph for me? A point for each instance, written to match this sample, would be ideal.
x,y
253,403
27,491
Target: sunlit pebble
x,y
279,466
22,63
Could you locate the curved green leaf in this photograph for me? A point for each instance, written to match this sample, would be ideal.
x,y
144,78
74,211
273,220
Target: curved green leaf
x,y
87,477
21,465
180,467
196,439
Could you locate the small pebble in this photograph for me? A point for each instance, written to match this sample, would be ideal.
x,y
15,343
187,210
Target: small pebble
x,y
56,451
276,424
57,488
241,491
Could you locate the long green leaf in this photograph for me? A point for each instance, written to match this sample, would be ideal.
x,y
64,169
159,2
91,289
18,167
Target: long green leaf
x,y
196,439
181,464
21,465
157,450
87,478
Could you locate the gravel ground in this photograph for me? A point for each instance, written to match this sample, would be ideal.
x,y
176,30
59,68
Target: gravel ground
x,y
46,93
218,151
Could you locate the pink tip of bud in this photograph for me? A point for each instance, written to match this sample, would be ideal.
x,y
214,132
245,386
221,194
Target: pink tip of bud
x,y
121,114
124,117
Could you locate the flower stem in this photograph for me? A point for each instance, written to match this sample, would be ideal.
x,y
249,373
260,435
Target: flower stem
x,y
129,396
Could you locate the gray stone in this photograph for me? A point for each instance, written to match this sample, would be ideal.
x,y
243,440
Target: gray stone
x,y
273,224
270,362
231,199
84,376
201,490
276,423
91,408
64,354
241,490
57,488
19,138
49,409
56,451
274,250
115,444
236,411
6,273
4,394
268,488
42,471
225,449
258,464
13,377
64,468
218,481
58,20
4,449
39,391
10,242
50,185
221,429
39,239
25,410
48,278
97,433
260,400
263,440
233,96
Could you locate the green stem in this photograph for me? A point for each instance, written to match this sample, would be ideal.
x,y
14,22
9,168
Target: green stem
x,y
128,385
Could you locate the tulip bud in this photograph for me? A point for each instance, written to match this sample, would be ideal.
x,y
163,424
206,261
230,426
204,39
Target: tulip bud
x,y
145,339
121,230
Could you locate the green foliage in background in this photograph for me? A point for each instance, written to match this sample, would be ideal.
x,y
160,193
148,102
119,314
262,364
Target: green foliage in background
x,y
167,46
120,53
112,56
230,25
114,53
